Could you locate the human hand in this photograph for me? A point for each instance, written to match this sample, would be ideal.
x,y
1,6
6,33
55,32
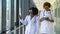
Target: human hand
x,y
47,19
51,20
20,16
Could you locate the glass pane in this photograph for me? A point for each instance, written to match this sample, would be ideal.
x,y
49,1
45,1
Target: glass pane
x,y
14,10
59,8
8,14
58,3
55,12
58,22
0,14
20,6
59,12
57,26
55,8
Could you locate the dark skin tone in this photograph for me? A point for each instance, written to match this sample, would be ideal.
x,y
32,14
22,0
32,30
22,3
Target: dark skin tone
x,y
47,9
31,13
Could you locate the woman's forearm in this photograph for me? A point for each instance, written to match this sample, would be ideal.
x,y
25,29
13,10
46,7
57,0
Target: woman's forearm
x,y
42,19
51,20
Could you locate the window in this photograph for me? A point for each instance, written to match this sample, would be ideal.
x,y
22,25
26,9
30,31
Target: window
x,y
55,12
14,10
0,14
59,12
59,9
8,14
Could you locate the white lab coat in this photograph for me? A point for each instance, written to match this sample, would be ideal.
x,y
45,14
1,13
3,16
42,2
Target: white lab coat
x,y
46,26
31,24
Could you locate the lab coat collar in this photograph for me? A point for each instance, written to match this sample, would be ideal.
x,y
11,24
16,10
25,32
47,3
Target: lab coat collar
x,y
45,10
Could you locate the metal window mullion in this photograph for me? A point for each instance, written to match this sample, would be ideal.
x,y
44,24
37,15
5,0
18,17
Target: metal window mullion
x,y
12,15
17,13
17,10
3,16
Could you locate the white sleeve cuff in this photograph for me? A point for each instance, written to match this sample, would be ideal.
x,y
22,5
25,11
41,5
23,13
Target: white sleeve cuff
x,y
21,20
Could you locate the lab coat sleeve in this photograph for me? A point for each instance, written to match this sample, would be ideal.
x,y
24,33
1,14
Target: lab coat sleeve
x,y
41,15
37,26
25,22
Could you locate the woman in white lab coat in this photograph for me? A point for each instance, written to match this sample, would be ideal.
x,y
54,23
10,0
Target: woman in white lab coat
x,y
31,21
46,19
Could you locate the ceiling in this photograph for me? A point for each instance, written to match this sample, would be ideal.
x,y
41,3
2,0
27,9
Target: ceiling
x,y
39,3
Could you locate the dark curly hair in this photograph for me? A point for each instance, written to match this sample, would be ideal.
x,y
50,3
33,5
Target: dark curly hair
x,y
35,10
